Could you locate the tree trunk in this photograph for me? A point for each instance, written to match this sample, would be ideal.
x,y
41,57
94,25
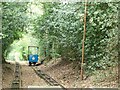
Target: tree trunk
x,y
3,59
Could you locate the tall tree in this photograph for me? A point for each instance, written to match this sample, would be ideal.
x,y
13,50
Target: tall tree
x,y
64,25
13,23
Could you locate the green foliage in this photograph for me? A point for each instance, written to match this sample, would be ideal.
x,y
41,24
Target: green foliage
x,y
21,47
61,31
101,35
13,22
55,28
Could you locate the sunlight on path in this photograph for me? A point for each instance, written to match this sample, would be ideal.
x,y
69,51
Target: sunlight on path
x,y
17,59
17,54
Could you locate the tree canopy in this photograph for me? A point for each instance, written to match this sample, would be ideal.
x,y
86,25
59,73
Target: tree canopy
x,y
59,29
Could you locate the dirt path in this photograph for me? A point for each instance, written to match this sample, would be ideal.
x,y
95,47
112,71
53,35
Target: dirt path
x,y
62,72
30,78
7,75
0,76
65,73
68,75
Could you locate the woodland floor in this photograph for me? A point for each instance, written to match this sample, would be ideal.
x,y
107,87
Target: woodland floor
x,y
0,76
30,78
68,74
7,75
64,72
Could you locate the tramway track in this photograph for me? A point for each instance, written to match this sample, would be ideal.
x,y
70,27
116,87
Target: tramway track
x,y
16,83
47,78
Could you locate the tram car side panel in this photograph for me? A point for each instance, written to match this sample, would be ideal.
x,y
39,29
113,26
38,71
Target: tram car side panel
x,y
33,58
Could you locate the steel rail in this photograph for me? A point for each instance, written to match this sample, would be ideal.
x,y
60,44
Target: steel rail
x,y
16,83
47,78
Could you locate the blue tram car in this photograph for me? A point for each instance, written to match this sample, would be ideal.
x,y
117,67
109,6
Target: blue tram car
x,y
33,55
